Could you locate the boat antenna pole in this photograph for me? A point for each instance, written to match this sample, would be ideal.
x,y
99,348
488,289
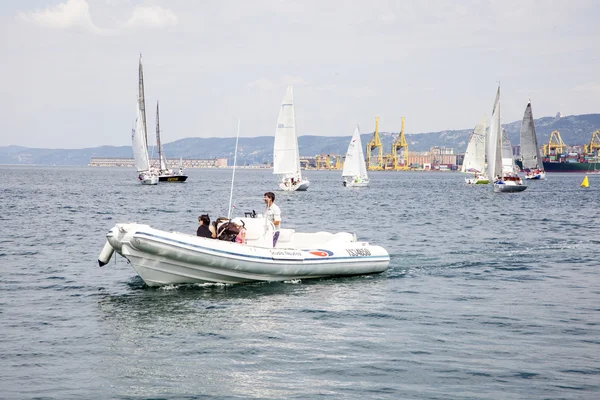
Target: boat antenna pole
x,y
233,173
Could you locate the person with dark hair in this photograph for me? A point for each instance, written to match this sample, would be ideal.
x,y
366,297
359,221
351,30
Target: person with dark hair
x,y
273,214
205,229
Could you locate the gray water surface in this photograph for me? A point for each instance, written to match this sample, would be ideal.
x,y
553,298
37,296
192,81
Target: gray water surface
x,y
488,296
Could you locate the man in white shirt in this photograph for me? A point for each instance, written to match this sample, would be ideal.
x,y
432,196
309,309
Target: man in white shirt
x,y
273,214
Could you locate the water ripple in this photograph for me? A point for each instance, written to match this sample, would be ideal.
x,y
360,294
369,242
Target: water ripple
x,y
485,297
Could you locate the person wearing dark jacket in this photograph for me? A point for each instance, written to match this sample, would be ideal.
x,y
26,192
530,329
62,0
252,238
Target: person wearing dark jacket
x,y
205,229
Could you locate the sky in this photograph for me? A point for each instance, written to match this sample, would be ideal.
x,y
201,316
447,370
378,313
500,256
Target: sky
x,y
68,70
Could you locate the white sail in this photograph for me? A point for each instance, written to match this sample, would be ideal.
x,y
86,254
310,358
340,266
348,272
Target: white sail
x,y
529,144
355,165
161,152
286,159
361,156
475,155
494,142
142,100
501,167
508,162
139,146
139,136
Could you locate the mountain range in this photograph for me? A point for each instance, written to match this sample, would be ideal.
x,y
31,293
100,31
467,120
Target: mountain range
x,y
574,130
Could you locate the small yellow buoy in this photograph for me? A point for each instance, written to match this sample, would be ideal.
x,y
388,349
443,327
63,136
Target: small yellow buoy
x,y
586,182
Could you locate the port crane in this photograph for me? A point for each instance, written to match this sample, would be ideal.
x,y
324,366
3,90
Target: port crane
x,y
594,144
321,161
337,161
400,146
555,145
375,143
328,161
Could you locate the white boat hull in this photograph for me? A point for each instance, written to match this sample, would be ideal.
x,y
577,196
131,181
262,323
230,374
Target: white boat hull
x,y
165,258
298,187
535,176
509,187
149,180
477,180
473,181
354,183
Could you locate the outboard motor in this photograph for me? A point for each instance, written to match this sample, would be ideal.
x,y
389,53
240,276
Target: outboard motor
x,y
105,254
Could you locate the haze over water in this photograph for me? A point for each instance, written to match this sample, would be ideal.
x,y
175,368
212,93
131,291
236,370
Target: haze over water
x,y
488,296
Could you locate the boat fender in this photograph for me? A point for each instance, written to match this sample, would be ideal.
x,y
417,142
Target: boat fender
x,y
105,254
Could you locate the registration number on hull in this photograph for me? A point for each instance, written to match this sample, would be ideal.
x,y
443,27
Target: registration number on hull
x,y
358,252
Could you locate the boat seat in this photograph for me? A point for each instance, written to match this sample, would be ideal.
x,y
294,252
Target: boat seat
x,y
285,236
341,237
256,234
310,240
255,228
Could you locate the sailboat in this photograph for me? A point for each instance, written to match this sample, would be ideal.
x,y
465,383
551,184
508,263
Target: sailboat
x,y
286,159
166,174
530,151
355,169
474,161
139,138
501,165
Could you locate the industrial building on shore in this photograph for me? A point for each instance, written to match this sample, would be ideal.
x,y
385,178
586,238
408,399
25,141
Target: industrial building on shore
x,y
174,164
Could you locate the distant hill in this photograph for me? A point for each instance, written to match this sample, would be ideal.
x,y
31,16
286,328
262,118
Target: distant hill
x,y
574,130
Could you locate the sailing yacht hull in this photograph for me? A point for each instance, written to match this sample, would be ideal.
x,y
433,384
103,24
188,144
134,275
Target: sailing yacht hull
x,y
167,258
508,188
172,178
538,176
148,180
353,183
472,181
477,181
299,187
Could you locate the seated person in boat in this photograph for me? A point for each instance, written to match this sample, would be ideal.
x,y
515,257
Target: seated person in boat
x,y
226,229
241,236
205,229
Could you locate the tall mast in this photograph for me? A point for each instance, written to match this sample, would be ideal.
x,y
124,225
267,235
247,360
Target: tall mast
x,y
158,138
142,100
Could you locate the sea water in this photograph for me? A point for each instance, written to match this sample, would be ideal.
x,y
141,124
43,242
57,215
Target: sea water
x,y
488,295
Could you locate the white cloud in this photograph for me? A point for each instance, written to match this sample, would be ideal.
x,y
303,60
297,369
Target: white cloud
x,y
387,18
152,17
588,87
67,15
348,62
267,85
293,80
262,84
75,14
362,92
